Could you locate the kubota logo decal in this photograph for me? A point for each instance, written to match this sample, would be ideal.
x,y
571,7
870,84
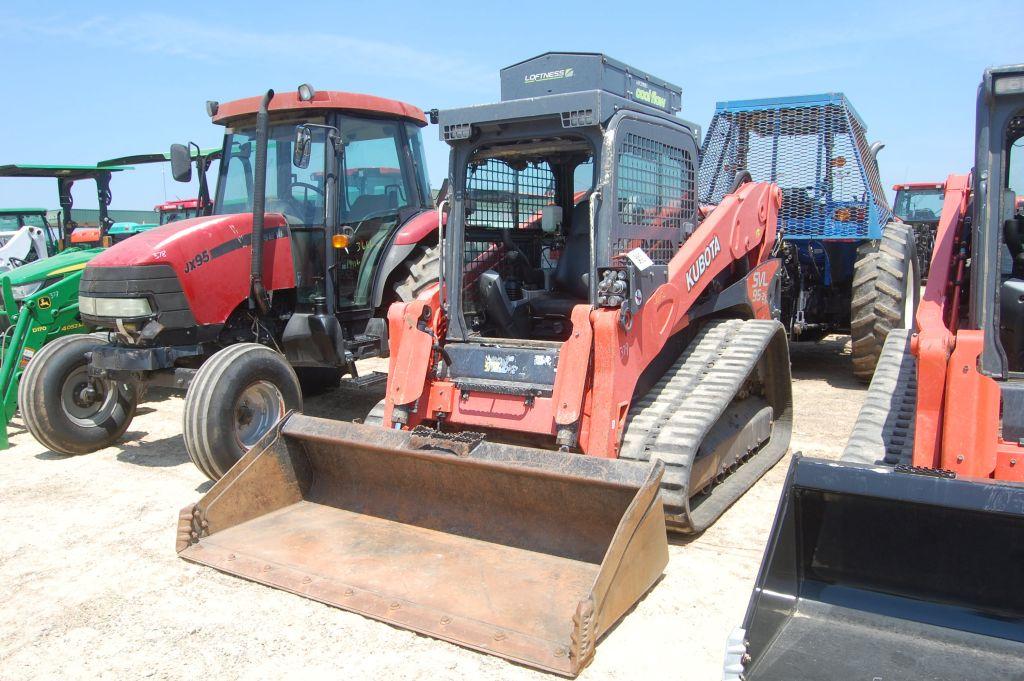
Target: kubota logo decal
x,y
700,265
548,75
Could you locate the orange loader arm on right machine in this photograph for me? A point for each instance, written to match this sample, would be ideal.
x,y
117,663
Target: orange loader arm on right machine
x,y
957,421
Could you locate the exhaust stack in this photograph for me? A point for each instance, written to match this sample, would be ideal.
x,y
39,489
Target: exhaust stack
x,y
258,293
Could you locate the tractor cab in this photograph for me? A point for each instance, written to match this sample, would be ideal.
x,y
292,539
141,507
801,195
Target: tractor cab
x,y
180,209
343,172
576,189
919,204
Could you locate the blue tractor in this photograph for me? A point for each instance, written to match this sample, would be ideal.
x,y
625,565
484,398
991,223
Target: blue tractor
x,y
848,266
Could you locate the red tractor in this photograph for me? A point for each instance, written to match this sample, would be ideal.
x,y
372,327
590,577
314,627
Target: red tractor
x,y
918,204
322,218
179,209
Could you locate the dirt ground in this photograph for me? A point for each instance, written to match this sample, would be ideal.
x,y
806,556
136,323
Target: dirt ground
x,y
90,586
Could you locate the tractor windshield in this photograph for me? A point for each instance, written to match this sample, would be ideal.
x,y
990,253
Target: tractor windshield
x,y
918,205
298,193
34,221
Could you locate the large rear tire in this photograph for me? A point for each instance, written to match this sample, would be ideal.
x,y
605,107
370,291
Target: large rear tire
x,y
64,408
235,398
422,270
886,291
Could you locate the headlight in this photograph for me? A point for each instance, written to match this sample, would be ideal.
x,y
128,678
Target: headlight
x,y
114,307
25,290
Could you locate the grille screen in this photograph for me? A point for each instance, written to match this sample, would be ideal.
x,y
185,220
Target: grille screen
x,y
655,197
508,198
815,153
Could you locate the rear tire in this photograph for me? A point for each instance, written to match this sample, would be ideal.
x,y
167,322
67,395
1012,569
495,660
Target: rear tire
x,y
317,380
423,269
65,409
235,398
886,291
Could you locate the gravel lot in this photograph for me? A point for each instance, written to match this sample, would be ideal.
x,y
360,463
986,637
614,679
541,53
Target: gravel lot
x,y
90,586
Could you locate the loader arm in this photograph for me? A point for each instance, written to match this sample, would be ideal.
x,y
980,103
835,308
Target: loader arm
x,y
742,225
936,322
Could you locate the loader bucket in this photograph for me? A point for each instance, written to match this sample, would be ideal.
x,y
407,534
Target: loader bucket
x,y
524,553
878,573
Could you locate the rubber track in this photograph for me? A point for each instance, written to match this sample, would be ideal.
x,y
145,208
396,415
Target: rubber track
x,y
673,418
884,430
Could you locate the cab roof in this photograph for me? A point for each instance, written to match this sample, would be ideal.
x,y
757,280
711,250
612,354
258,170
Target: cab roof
x,y
228,112
178,204
139,159
69,172
918,185
22,211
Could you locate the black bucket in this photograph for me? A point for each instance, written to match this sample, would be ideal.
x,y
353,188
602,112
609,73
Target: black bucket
x,y
881,574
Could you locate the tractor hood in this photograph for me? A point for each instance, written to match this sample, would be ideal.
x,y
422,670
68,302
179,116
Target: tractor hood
x,y
210,257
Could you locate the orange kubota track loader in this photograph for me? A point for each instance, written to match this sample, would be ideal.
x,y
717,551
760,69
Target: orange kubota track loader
x,y
906,559
594,336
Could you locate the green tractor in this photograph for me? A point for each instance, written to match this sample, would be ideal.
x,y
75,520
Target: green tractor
x,y
40,299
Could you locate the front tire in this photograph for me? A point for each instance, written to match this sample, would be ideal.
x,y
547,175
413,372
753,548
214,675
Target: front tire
x,y
886,291
64,408
235,398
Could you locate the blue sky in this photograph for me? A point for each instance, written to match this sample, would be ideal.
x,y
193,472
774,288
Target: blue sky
x,y
88,81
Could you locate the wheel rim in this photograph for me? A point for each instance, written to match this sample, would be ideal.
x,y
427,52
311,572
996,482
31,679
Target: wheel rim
x,y
87,402
259,407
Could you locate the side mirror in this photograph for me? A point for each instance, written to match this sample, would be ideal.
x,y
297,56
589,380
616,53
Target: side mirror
x,y
303,146
181,163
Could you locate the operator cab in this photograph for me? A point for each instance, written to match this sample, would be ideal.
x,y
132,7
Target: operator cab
x,y
581,163
362,178
527,240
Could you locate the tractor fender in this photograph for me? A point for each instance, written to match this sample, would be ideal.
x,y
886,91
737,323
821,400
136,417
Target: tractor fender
x,y
417,230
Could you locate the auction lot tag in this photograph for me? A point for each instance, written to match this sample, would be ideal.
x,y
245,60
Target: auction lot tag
x,y
639,259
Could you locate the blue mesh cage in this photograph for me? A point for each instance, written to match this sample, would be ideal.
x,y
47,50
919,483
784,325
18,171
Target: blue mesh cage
x,y
814,148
